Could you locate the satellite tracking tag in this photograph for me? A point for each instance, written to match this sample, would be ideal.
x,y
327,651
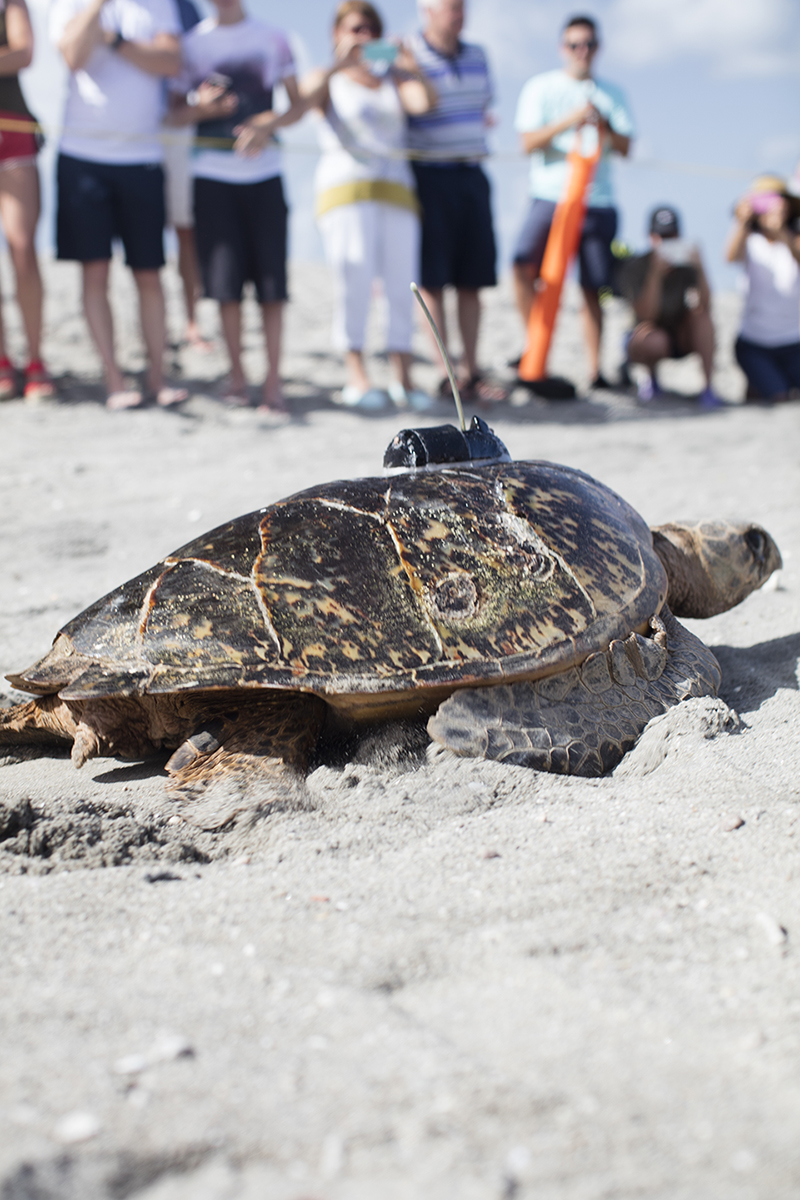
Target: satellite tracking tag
x,y
439,445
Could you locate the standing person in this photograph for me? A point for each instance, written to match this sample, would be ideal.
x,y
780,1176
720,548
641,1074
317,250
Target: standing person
x,y
366,205
669,293
109,176
178,197
766,240
19,200
447,143
231,65
552,109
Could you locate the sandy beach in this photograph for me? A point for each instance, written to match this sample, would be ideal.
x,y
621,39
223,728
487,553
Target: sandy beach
x,y
432,978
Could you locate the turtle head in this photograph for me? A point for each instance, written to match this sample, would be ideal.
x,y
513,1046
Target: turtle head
x,y
443,445
714,565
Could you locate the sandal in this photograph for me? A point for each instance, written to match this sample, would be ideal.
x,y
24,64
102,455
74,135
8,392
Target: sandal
x,y
480,391
167,396
9,384
38,384
236,397
276,405
117,401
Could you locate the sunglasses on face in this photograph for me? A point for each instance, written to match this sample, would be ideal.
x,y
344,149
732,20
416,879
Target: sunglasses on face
x,y
363,29
575,46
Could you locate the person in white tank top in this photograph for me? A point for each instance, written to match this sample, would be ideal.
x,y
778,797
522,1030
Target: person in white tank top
x,y
766,240
366,205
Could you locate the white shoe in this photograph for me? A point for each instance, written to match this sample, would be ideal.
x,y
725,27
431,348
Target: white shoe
x,y
416,400
370,401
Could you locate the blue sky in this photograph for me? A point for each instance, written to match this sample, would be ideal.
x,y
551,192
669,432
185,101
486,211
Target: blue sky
x,y
714,86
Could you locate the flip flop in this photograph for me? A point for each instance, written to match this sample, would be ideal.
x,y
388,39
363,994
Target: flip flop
x,y
237,397
274,406
38,384
416,400
370,401
479,390
9,384
117,401
167,397
196,341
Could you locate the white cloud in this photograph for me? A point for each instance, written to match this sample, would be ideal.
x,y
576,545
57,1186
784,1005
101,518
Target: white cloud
x,y
742,38
779,148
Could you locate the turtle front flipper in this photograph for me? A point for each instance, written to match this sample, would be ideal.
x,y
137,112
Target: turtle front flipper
x,y
582,721
250,757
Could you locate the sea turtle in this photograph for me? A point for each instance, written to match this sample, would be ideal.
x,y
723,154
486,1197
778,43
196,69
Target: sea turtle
x,y
520,605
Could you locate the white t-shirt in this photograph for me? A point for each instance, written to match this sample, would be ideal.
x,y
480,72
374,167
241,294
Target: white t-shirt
x,y
255,57
363,135
547,98
114,109
772,309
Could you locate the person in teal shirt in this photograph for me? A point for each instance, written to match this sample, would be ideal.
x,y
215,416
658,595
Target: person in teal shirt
x,y
557,112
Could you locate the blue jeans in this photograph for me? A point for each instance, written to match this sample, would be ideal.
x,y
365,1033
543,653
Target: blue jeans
x,y
770,370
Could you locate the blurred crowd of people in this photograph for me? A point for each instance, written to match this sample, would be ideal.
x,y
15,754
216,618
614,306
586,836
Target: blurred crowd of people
x,y
170,120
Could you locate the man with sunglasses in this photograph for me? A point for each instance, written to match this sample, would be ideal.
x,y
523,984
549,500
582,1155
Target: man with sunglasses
x,y
557,112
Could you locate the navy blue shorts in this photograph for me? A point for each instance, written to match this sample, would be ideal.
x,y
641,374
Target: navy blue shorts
x,y
594,254
770,370
458,246
98,202
240,233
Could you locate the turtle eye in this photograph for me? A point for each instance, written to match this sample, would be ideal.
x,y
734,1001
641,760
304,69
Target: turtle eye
x,y
757,543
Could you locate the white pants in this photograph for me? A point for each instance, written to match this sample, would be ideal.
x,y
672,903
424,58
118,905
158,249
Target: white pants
x,y
365,241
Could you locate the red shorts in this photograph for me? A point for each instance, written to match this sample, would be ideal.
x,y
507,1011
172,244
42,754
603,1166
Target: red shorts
x,y
18,141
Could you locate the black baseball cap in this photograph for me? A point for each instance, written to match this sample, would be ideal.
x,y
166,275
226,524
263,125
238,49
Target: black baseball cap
x,y
665,222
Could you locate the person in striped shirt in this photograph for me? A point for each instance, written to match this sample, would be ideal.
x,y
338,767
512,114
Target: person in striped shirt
x,y
447,144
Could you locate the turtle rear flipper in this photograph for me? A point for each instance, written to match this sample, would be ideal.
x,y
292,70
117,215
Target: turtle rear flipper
x,y
252,758
582,721
46,720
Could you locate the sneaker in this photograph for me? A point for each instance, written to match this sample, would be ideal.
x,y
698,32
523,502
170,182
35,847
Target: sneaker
x,y
648,389
710,399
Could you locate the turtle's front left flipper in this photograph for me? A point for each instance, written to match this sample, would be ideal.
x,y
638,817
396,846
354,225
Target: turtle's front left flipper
x,y
582,721
251,757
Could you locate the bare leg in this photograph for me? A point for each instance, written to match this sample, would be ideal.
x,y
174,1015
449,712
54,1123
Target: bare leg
x,y
98,317
272,317
592,328
153,319
19,212
701,334
524,290
648,345
469,319
356,372
230,315
400,362
3,346
190,278
435,303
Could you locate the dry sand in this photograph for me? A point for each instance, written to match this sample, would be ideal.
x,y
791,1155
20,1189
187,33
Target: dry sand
x,y
438,977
